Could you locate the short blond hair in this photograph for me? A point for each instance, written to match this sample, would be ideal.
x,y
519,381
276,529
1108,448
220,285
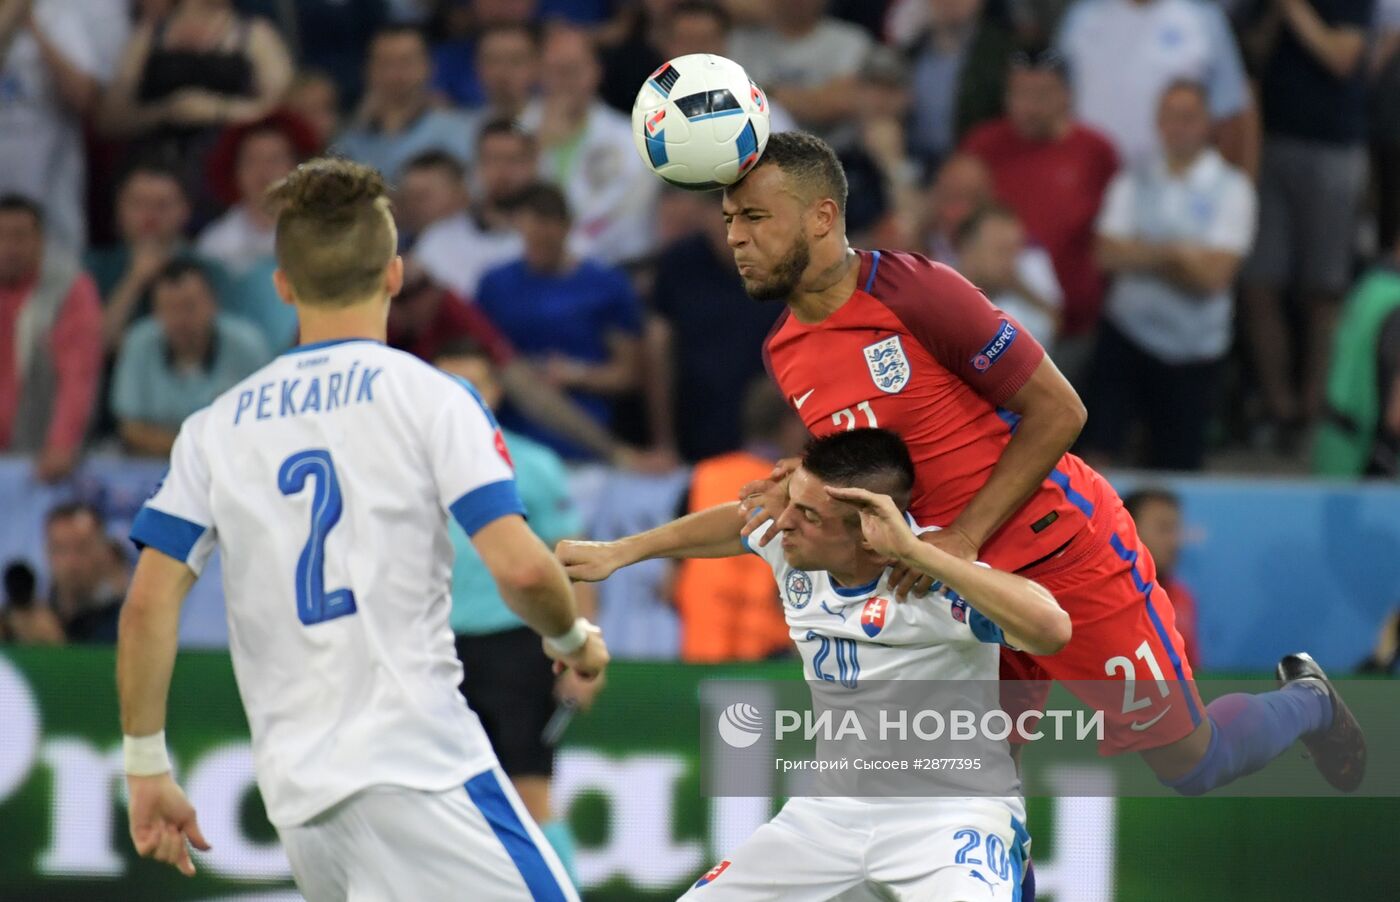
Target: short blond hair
x,y
335,231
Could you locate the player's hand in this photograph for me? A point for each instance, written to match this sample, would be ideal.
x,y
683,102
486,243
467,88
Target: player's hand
x,y
163,824
589,562
881,522
589,661
764,499
573,688
907,581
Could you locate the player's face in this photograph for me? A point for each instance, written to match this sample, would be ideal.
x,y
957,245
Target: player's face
x,y
765,220
818,533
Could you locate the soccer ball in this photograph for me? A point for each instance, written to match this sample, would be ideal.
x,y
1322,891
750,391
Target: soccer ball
x,y
700,122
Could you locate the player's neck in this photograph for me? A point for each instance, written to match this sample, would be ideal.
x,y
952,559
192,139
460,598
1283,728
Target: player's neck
x,y
860,575
363,320
825,292
861,572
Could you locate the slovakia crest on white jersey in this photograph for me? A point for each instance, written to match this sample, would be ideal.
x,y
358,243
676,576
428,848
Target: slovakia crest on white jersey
x,y
888,366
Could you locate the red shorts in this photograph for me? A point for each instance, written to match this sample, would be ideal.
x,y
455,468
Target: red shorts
x,y
1125,657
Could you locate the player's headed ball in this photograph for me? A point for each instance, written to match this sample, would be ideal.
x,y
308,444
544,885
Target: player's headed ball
x,y
700,122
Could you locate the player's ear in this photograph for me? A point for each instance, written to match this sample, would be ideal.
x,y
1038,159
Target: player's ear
x,y
283,286
393,276
825,217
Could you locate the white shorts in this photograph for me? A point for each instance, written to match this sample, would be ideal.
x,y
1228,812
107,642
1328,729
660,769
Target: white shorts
x,y
389,843
929,850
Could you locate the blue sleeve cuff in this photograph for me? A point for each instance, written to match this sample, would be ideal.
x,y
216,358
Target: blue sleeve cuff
x,y
744,540
486,503
985,630
166,533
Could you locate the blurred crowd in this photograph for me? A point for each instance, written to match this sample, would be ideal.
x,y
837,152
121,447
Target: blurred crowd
x,y
1194,205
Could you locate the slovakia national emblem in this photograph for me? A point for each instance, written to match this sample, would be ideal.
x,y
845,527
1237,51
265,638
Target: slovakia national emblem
x,y
872,616
959,610
799,588
713,873
889,368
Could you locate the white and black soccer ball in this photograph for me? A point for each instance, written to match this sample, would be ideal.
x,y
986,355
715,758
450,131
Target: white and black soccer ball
x,y
700,122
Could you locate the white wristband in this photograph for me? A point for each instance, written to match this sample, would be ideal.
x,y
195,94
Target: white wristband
x,y
145,756
572,641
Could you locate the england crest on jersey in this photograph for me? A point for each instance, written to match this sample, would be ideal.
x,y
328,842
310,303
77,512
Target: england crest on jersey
x,y
889,368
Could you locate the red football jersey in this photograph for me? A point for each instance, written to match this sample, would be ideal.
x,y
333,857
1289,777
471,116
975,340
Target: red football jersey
x,y
920,351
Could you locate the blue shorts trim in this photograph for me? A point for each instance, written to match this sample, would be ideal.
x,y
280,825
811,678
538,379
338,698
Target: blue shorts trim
x,y
1145,588
1061,479
485,790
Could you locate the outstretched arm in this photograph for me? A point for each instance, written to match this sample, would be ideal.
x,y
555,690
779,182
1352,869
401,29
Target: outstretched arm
x,y
1028,615
709,533
162,821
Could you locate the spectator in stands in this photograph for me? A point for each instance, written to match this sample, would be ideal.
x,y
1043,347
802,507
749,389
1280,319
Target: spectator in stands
x,y
884,205
807,61
327,35
179,359
1124,53
455,60
425,318
24,619
729,608
508,61
1384,117
1359,434
959,77
314,97
578,318
52,70
242,241
152,213
704,342
261,154
87,582
962,187
632,49
1157,513
448,245
1173,232
1053,171
586,148
1017,277
507,162
1310,187
51,362
396,119
507,679
187,74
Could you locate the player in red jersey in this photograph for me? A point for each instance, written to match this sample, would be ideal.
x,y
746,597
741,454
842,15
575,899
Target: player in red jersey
x,y
889,339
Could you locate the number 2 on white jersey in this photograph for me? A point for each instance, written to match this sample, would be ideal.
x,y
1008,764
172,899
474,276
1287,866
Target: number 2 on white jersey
x,y
314,603
847,418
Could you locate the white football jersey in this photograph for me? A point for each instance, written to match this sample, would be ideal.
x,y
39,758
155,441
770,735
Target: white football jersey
x,y
325,480
857,633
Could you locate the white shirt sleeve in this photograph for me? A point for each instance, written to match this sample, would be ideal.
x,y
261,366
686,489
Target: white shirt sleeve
x,y
772,553
1235,221
1116,216
471,466
177,520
